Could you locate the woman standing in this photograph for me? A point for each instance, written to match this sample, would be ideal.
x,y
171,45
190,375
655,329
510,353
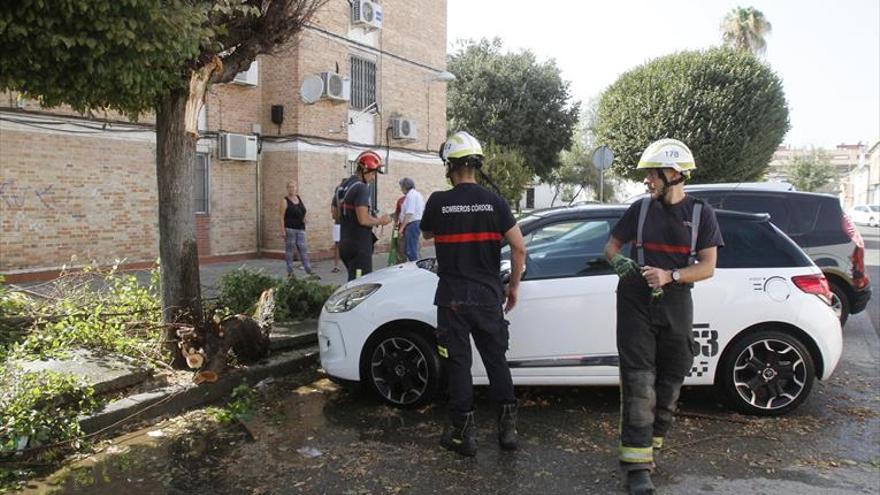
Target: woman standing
x,y
293,224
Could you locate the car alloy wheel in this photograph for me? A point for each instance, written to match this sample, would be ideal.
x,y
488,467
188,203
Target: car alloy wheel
x,y
399,370
767,373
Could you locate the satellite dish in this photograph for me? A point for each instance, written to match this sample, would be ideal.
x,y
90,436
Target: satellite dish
x,y
311,89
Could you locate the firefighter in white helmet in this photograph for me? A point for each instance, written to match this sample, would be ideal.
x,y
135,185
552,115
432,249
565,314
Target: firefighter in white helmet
x,y
674,239
468,223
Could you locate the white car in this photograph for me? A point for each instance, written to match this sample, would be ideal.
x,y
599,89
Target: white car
x,y
763,323
865,214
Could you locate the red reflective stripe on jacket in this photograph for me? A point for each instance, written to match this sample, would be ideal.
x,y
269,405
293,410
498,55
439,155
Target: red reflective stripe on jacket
x,y
667,248
467,237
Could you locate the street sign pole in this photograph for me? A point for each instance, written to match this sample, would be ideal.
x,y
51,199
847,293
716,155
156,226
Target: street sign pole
x,y
602,159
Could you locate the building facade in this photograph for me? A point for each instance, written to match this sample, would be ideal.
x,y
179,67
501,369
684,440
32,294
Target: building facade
x,y
77,189
844,158
861,186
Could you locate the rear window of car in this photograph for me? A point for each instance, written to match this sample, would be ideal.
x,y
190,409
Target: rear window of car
x,y
774,205
757,244
810,220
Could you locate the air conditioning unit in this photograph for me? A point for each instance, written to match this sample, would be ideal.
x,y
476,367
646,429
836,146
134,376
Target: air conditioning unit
x,y
238,147
248,77
336,87
404,128
367,14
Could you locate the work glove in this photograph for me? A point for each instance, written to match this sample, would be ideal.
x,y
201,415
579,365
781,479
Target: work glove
x,y
623,266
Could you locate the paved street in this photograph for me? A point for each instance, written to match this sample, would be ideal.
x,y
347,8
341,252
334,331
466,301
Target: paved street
x,y
320,438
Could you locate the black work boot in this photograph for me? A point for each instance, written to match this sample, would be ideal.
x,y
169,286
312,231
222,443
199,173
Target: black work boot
x,y
639,482
461,436
507,426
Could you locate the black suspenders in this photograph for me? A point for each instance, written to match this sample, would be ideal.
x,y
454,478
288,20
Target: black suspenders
x,y
695,227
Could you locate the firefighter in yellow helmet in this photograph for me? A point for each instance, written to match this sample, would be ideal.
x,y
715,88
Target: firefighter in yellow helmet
x,y
468,224
674,242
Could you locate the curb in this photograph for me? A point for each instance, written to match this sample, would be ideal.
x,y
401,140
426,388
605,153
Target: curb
x,y
174,399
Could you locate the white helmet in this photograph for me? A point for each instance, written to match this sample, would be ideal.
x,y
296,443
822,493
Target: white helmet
x,y
460,145
668,153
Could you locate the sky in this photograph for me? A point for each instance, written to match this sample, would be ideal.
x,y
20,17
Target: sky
x,y
827,53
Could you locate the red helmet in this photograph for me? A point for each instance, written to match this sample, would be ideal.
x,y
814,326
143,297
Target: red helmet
x,y
369,161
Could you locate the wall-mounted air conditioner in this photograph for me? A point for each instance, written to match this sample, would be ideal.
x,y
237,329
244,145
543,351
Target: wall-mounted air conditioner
x,y
238,147
366,14
336,87
248,77
402,128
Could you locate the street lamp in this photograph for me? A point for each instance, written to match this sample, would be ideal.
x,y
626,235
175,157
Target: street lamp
x,y
444,77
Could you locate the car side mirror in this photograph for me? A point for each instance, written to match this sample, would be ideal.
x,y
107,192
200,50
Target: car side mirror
x,y
505,271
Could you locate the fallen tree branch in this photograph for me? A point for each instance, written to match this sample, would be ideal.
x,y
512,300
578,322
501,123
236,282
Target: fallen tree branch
x,y
680,446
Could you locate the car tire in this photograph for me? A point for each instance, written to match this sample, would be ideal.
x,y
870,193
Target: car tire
x,y
766,373
401,367
840,302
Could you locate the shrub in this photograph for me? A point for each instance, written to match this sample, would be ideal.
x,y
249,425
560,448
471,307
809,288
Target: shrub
x,y
295,298
240,289
300,298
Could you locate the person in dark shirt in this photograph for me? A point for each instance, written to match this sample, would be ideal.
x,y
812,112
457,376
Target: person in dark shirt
x,y
293,224
356,222
338,194
468,224
675,240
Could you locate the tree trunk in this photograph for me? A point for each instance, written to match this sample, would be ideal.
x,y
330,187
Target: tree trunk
x,y
178,254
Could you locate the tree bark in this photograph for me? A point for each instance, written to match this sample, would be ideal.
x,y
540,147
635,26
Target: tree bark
x,y
178,254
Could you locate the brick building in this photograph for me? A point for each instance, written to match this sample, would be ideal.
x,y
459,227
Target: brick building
x,y
74,189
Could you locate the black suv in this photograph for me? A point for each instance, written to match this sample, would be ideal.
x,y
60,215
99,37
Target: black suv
x,y
816,223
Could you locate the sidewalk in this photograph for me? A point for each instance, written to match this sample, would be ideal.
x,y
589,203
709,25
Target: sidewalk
x,y
211,273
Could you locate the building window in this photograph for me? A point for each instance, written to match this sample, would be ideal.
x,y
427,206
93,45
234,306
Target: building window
x,y
363,83
530,197
200,185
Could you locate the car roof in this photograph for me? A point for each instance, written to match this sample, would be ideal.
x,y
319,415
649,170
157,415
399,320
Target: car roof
x,y
580,211
749,186
734,189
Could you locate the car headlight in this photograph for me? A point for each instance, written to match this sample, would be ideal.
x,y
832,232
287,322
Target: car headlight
x,y
348,299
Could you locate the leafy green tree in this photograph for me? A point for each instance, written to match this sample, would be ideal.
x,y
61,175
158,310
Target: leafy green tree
x,y
507,170
726,105
745,29
513,100
136,56
811,172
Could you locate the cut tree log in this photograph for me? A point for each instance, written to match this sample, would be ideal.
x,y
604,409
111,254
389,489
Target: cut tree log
x,y
242,336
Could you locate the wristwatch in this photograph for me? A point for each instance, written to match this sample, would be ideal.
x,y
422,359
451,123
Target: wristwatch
x,y
676,276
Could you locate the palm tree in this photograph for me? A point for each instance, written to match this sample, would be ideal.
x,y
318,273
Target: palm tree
x,y
744,29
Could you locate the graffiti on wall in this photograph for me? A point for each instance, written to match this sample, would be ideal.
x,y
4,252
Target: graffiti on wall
x,y
16,197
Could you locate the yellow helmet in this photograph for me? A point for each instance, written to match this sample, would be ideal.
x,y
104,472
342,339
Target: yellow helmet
x,y
668,153
460,145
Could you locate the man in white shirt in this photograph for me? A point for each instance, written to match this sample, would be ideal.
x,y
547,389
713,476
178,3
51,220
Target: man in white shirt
x,y
410,216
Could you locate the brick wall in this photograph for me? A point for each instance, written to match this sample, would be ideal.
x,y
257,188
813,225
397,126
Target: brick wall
x,y
71,196
94,196
233,207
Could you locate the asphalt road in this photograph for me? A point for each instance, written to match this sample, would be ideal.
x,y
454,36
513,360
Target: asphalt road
x,y
322,439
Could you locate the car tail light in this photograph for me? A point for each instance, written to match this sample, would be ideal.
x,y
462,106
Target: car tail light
x,y
860,278
814,284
